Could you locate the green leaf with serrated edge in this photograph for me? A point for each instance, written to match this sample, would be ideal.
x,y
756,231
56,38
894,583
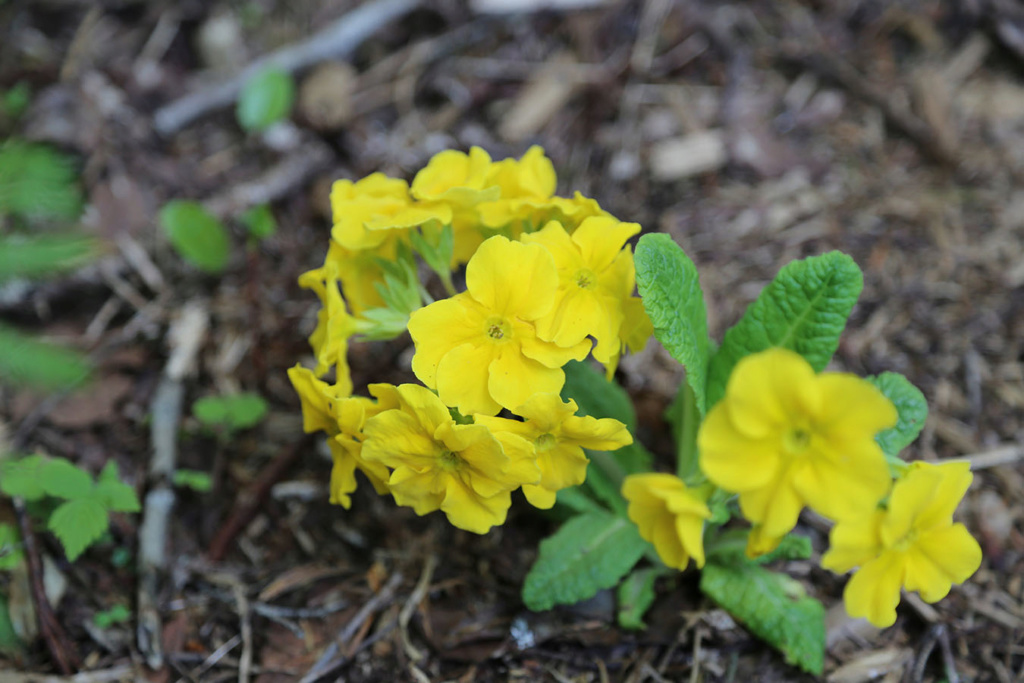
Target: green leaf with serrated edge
x,y
37,182
595,395
44,255
636,595
772,606
196,235
730,547
266,98
25,361
201,482
587,554
803,309
234,413
670,289
79,523
910,406
61,479
10,547
21,477
259,221
576,501
117,496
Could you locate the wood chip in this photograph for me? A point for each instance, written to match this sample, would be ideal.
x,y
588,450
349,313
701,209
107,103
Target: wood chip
x,y
690,155
542,98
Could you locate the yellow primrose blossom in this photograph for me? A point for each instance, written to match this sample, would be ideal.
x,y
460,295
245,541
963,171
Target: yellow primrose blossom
x,y
912,544
558,437
526,185
334,325
595,277
669,515
480,349
375,209
462,470
456,178
329,409
635,332
783,437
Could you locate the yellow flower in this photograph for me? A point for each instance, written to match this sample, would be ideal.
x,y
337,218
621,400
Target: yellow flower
x,y
635,332
480,349
327,408
913,544
595,277
462,470
334,325
375,209
783,437
456,178
669,516
558,437
526,185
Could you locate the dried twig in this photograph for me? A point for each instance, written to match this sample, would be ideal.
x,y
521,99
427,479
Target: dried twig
x,y
337,40
332,658
57,642
412,603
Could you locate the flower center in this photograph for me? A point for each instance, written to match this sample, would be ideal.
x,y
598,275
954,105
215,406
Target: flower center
x,y
449,461
585,278
796,440
545,442
497,329
904,543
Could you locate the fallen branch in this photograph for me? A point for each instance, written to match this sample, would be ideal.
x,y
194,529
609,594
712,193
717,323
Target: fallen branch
x,y
337,40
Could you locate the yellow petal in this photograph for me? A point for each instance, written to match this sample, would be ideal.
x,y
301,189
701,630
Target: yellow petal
x,y
731,459
512,278
539,497
463,378
953,553
767,390
853,543
846,484
467,510
600,239
775,506
440,327
955,479
852,407
604,434
874,591
513,378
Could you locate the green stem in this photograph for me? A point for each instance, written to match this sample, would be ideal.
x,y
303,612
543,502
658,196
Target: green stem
x,y
446,280
686,449
606,462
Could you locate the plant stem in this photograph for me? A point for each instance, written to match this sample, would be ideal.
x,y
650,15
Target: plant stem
x,y
686,449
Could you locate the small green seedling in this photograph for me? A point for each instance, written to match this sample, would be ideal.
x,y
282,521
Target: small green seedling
x,y
84,515
200,482
266,98
118,614
229,414
196,235
259,221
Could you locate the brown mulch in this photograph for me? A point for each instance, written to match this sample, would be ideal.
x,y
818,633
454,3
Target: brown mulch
x,y
753,132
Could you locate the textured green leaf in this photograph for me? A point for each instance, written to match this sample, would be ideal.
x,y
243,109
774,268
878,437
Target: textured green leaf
x,y
21,477
803,309
10,547
670,289
774,607
61,479
117,496
79,523
266,98
730,548
25,361
234,413
588,553
259,221
636,595
38,182
911,407
44,255
196,235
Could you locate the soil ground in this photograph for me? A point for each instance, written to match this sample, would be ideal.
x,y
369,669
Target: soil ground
x,y
752,132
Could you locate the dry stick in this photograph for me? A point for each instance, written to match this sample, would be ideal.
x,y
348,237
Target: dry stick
x,y
332,658
57,642
249,501
412,604
337,40
186,336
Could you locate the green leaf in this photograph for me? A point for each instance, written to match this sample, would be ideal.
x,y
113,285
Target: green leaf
x,y
803,309
44,255
201,482
110,472
259,221
730,548
588,553
15,101
381,324
117,496
196,235
25,361
266,98
234,413
21,477
10,548
576,501
595,395
78,523
604,481
61,479
772,606
9,642
670,289
118,614
436,249
636,595
37,182
911,407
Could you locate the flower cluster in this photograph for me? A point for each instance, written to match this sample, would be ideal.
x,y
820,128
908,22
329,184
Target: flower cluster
x,y
548,280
